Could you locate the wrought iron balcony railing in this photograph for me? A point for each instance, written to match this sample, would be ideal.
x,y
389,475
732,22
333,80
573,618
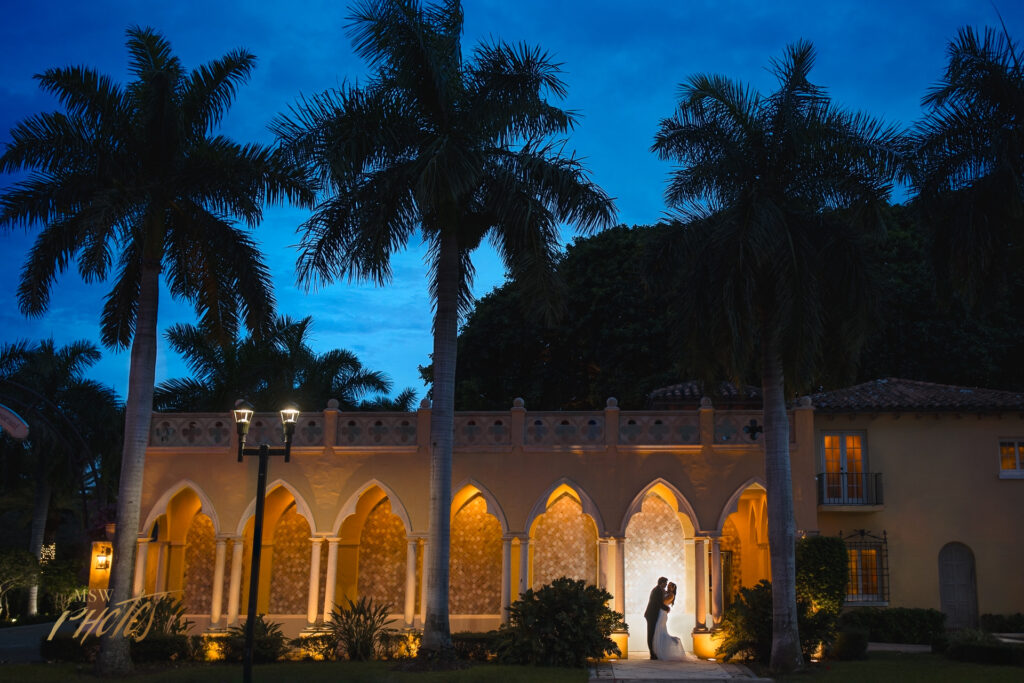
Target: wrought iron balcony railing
x,y
849,488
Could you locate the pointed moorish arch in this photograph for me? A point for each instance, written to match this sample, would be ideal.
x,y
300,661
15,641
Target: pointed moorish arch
x,y
349,508
301,506
160,506
732,505
681,503
589,508
493,507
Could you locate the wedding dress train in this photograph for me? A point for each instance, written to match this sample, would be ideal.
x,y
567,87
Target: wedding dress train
x,y
668,647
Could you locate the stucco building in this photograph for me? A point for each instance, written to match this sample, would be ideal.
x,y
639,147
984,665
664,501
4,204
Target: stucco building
x,y
924,481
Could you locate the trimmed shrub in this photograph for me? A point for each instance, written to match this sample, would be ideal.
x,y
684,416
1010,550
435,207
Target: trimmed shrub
x,y
1003,623
400,644
849,644
896,624
160,647
64,647
476,647
268,643
564,623
980,647
360,628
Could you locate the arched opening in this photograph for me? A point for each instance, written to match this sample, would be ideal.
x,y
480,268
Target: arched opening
x,y
744,545
958,586
475,561
197,581
659,543
372,550
563,539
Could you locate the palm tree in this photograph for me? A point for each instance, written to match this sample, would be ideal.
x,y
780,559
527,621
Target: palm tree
x,y
59,404
270,370
779,192
459,151
134,173
970,162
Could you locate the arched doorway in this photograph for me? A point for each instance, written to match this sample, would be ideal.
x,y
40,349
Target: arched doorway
x,y
475,557
563,539
958,586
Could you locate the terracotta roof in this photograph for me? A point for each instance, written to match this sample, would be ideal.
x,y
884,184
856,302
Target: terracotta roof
x,y
690,393
897,395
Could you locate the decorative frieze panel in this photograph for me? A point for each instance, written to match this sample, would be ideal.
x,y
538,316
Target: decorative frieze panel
x,y
482,430
565,429
190,430
377,429
648,429
310,430
729,428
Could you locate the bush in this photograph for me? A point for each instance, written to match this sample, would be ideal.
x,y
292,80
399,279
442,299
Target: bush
x,y
400,644
850,644
972,645
1003,623
168,617
64,647
360,628
561,624
319,647
896,624
476,647
268,643
160,647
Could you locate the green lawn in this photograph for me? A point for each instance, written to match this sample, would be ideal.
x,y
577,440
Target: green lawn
x,y
884,667
307,672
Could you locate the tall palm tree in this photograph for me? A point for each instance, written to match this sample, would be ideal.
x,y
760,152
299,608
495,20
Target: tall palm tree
x,y
134,174
779,191
459,151
270,370
58,405
969,170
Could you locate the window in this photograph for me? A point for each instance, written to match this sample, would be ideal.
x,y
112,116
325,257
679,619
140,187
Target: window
x,y
844,480
1011,458
867,561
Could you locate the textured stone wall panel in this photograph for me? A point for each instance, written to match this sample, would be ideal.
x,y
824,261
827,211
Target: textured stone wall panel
x,y
654,547
200,551
289,582
565,544
382,555
475,561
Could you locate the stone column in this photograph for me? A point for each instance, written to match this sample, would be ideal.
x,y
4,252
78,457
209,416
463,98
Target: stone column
x,y
506,576
716,580
602,564
217,602
235,587
424,579
524,564
313,603
620,575
161,567
139,580
700,588
332,577
410,582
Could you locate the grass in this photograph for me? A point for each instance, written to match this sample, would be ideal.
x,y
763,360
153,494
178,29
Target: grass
x,y
883,667
307,672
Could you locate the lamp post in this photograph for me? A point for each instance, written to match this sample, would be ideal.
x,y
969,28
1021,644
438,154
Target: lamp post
x,y
243,419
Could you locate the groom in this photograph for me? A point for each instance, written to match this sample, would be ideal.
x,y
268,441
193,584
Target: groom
x,y
655,604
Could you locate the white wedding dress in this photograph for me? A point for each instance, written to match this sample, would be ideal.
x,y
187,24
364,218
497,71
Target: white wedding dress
x,y
668,647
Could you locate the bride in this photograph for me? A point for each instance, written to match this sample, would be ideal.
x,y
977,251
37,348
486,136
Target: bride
x,y
668,647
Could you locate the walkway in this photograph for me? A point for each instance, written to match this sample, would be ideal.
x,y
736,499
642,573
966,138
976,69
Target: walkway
x,y
640,668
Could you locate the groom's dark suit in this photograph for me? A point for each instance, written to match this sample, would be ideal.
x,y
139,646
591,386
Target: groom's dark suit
x,y
655,604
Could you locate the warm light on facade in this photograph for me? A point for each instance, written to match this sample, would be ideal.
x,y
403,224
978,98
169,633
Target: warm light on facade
x,y
103,559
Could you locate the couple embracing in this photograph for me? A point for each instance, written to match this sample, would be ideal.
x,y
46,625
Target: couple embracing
x,y
659,642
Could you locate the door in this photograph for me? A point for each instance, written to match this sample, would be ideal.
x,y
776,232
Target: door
x,y
958,589
844,468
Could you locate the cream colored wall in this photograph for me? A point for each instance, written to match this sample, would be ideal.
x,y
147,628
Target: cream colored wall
x,y
941,484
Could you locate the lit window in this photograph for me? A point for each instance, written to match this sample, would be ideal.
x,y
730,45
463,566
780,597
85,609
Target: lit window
x,y
867,564
844,479
1011,459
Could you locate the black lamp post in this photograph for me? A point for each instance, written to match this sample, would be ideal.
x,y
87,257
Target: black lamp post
x,y
243,419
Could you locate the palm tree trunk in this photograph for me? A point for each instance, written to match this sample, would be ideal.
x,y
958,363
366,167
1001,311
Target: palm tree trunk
x,y
786,655
437,642
113,658
40,508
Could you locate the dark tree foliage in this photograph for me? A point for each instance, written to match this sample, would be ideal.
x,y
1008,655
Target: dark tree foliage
x,y
612,340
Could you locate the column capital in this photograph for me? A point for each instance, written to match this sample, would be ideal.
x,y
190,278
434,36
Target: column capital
x,y
143,539
316,539
417,537
709,534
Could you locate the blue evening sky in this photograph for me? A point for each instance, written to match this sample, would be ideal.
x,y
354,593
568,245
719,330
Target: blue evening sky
x,y
622,62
